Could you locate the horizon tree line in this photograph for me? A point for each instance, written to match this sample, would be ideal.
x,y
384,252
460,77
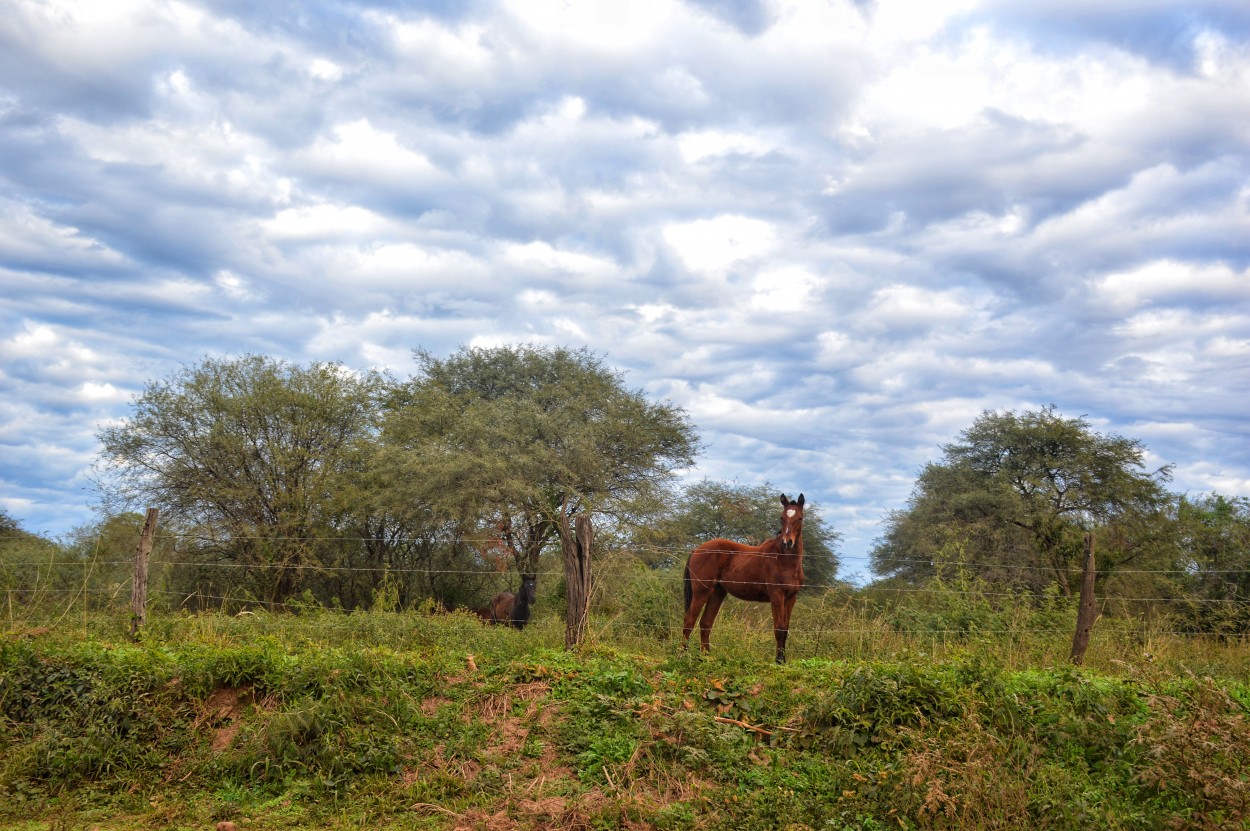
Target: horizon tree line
x,y
278,481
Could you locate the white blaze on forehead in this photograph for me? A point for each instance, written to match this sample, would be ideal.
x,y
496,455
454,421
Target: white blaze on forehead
x,y
790,512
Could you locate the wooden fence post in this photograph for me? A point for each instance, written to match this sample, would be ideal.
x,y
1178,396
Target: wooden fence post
x,y
1087,612
139,587
577,579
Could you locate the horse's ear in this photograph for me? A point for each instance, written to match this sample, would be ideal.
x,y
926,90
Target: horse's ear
x,y
785,502
800,501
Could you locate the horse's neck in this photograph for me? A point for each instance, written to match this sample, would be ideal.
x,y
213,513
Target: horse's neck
x,y
521,611
774,546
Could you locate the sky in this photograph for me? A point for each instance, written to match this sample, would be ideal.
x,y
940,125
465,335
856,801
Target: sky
x,y
834,232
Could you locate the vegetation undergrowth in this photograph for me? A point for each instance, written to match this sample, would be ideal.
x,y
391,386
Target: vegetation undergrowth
x,y
407,720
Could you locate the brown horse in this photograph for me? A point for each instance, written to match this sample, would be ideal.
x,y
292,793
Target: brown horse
x,y
508,609
771,572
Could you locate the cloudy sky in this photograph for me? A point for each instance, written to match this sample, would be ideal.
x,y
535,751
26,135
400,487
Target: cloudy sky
x,y
834,231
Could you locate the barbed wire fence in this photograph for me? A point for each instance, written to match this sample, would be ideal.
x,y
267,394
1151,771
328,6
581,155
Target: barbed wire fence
x,y
842,611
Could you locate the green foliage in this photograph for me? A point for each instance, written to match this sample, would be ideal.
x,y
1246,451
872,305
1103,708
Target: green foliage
x,y
872,706
34,571
1213,594
641,602
547,418
516,440
277,481
382,720
252,456
1015,495
83,715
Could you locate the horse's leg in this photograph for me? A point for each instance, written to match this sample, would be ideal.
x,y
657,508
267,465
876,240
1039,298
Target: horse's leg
x,y
778,603
699,592
782,605
709,616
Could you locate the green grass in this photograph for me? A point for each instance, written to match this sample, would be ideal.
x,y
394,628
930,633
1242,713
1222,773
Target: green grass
x,y
412,721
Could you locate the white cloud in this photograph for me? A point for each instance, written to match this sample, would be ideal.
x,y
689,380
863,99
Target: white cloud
x,y
610,27
541,257
382,339
835,231
93,392
87,35
1220,347
435,54
1156,325
712,245
785,289
33,342
318,221
1170,280
358,149
325,70
698,145
1207,478
234,286
26,235
912,20
934,90
837,350
903,306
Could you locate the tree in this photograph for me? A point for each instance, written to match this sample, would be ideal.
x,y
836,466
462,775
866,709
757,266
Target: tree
x,y
1214,535
515,441
745,513
1023,489
250,453
32,569
950,523
9,527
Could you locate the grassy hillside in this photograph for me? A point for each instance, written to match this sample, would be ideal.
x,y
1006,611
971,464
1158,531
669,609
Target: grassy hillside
x,y
410,721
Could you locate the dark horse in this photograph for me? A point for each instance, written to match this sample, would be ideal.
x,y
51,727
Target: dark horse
x,y
771,572
508,609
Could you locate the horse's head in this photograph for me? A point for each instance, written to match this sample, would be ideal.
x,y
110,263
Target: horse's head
x,y
791,522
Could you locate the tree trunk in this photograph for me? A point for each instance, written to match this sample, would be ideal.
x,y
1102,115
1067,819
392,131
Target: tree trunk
x,y
139,585
1087,612
576,544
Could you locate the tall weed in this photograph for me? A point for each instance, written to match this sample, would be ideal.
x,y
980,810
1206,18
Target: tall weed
x,y
1196,749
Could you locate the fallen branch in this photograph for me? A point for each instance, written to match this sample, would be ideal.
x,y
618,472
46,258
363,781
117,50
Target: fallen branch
x,y
744,725
430,806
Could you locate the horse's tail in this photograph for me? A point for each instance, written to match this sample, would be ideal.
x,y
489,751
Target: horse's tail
x,y
687,588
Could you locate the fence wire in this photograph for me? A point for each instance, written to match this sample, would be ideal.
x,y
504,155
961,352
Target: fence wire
x,y
843,593
622,573
680,552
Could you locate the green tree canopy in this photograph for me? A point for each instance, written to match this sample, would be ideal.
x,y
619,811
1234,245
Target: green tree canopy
x,y
1015,494
1214,560
29,567
250,452
518,439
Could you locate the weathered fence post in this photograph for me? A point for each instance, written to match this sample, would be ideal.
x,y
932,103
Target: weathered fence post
x,y
1087,612
577,579
139,587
